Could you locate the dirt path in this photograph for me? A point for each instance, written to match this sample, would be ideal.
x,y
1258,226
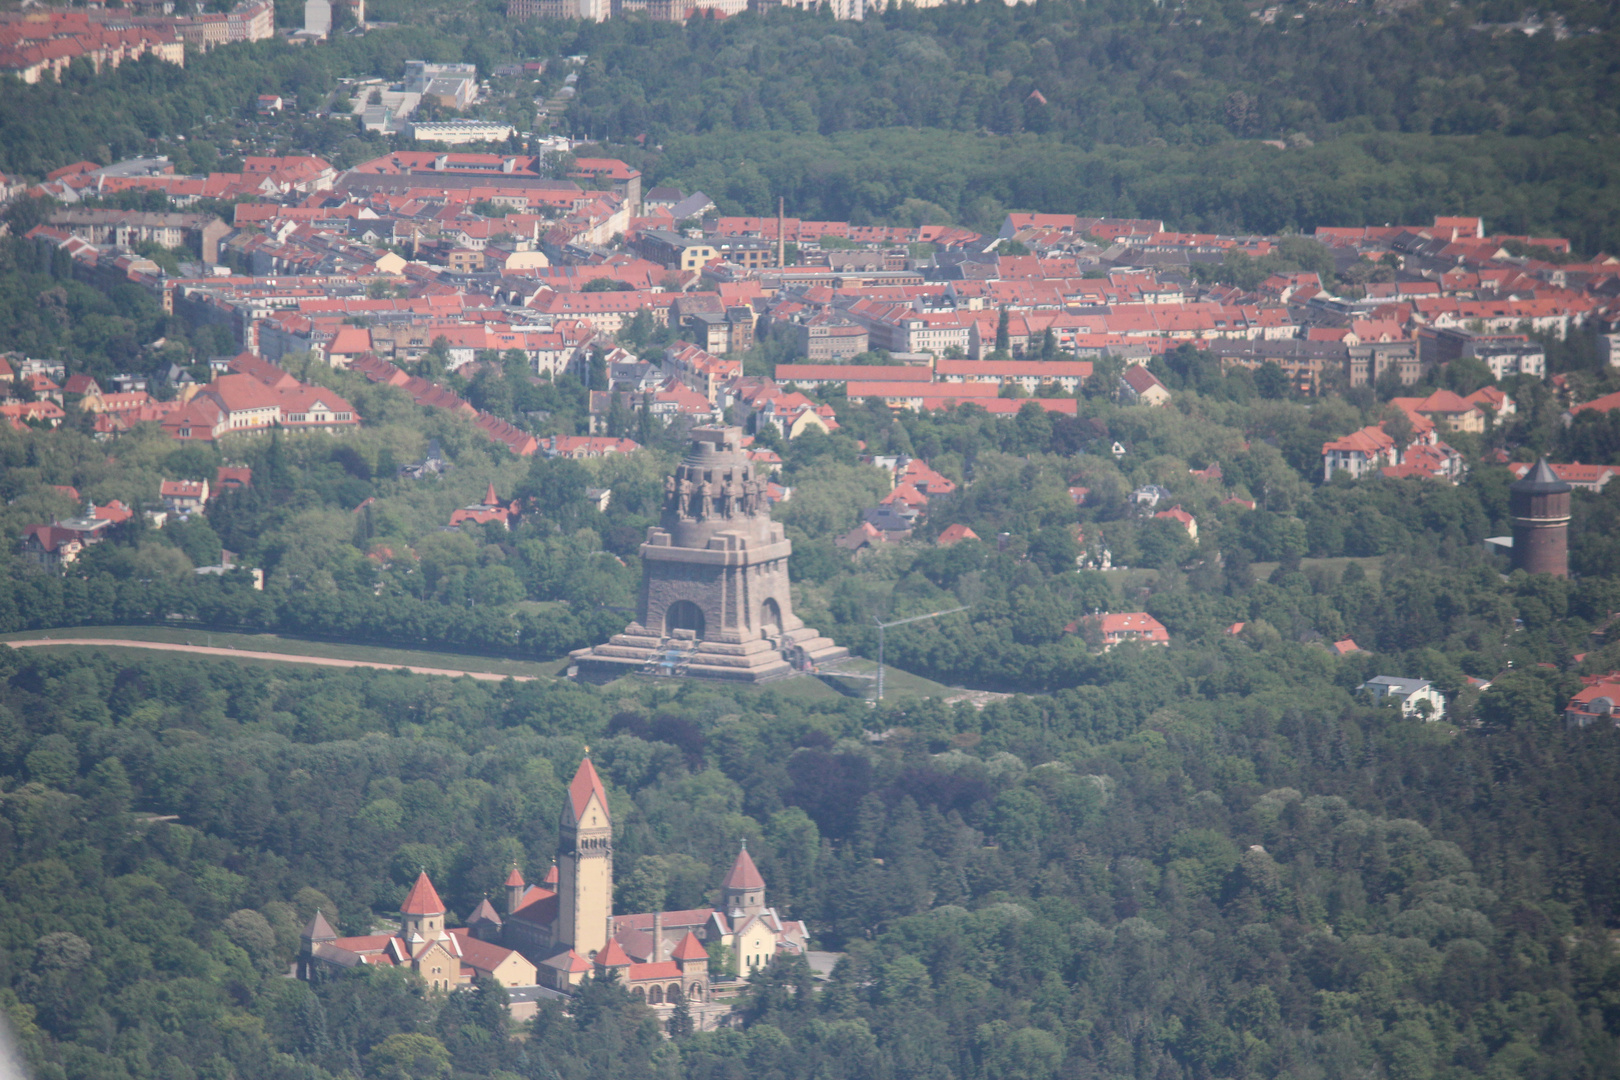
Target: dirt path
x,y
243,654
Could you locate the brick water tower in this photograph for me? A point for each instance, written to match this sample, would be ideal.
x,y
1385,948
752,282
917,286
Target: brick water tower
x,y
1540,507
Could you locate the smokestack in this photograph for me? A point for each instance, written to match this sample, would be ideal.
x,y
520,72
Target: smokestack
x,y
658,937
781,237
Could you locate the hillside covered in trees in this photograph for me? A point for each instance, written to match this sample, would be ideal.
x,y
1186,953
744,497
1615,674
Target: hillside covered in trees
x,y
938,115
1245,880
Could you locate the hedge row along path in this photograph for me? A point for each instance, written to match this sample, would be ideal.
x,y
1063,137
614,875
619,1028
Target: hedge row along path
x,y
243,654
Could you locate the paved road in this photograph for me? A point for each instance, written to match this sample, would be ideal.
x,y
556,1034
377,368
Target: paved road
x,y
206,650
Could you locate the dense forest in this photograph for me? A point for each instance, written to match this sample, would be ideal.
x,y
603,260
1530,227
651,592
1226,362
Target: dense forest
x,y
938,115
1247,875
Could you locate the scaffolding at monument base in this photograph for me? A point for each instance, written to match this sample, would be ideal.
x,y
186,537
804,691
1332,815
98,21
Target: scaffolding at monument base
x,y
673,657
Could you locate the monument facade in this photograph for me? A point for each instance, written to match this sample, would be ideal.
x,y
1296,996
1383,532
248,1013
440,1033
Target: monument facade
x,y
714,596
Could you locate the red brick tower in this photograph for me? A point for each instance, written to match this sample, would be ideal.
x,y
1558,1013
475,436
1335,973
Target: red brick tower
x,y
1540,507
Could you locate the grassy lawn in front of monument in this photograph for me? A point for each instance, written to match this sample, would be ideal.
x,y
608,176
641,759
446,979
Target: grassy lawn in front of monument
x,y
826,686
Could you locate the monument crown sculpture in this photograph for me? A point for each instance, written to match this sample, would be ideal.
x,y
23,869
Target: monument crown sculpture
x,y
714,596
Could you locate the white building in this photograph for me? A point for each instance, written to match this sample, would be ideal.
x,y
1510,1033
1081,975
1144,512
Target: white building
x,y
454,132
1411,693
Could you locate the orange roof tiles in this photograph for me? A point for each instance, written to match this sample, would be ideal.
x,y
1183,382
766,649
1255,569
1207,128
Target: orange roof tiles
x,y
423,898
585,784
689,949
744,874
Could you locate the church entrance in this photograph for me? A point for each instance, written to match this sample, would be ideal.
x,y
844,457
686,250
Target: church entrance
x,y
770,619
683,615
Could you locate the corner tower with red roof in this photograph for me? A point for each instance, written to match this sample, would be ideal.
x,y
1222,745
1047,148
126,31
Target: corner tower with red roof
x,y
585,865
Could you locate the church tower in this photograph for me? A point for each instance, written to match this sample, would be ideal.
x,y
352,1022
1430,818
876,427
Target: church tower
x,y
743,891
422,913
585,865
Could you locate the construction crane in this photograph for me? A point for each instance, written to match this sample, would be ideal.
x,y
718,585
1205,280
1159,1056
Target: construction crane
x,y
882,626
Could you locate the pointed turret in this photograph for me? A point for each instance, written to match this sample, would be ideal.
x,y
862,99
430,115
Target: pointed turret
x,y
422,913
1540,507
515,888
585,784
613,956
485,922
743,890
315,935
489,496
423,898
319,929
550,880
689,951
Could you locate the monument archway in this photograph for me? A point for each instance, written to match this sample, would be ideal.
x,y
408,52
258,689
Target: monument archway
x,y
770,618
684,615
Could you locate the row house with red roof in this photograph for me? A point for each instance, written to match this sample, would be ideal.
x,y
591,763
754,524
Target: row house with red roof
x,y
788,411
900,328
40,44
1372,449
61,543
491,511
607,312
1586,477
1114,629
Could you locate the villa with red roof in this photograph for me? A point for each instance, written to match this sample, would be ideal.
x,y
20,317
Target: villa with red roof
x,y
1123,627
1138,385
490,510
1182,518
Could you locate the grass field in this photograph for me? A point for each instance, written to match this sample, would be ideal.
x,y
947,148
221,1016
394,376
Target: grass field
x,y
294,647
897,684
1371,565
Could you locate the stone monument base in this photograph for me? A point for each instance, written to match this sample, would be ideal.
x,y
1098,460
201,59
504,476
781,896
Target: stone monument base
x,y
639,651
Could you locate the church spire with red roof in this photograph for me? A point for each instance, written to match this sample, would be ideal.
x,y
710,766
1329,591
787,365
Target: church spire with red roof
x,y
422,913
586,783
743,890
585,863
423,898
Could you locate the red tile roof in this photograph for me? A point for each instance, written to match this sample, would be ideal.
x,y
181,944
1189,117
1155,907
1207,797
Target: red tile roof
x,y
585,784
953,534
744,874
689,949
423,898
613,956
